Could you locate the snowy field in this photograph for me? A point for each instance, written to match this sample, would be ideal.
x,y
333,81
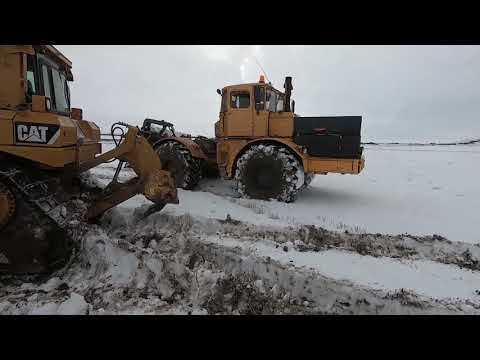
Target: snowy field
x,y
400,238
420,190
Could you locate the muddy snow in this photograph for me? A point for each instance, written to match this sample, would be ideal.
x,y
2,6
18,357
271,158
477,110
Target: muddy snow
x,y
400,238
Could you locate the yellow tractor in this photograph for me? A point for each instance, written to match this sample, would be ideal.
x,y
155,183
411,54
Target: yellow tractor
x,y
270,152
45,149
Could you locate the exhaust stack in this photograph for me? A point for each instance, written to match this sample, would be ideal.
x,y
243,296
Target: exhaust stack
x,y
288,92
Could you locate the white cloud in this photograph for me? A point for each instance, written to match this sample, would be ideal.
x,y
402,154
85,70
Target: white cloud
x,y
401,91
218,53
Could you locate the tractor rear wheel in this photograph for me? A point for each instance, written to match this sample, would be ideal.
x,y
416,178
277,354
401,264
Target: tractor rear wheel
x,y
269,172
178,160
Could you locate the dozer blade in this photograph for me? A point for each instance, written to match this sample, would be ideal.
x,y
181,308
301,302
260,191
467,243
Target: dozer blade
x,y
158,188
155,184
153,209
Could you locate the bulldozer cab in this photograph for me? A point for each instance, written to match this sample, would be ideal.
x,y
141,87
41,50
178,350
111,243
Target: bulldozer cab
x,y
35,109
41,80
48,76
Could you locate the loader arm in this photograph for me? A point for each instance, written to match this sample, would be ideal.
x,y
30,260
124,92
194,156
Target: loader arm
x,y
154,183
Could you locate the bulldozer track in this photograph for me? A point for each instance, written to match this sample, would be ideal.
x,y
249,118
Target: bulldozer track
x,y
43,196
9,208
35,191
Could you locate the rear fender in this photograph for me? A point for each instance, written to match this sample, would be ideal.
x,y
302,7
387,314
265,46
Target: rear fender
x,y
192,146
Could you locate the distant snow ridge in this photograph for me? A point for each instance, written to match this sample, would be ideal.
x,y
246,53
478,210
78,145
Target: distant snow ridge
x,y
466,141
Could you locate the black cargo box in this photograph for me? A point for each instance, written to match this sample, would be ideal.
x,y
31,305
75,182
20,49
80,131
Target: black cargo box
x,y
332,136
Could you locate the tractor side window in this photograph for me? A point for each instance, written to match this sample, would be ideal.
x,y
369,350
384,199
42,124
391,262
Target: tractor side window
x,y
61,102
240,100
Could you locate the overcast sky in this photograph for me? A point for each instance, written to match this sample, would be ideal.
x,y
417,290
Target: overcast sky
x,y
403,92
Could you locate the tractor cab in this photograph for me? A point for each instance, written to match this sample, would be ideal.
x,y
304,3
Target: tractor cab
x,y
255,110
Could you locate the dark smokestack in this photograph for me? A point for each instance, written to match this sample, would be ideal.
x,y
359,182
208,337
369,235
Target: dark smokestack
x,y
288,92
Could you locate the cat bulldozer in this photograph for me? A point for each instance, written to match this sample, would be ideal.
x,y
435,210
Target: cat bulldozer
x,y
46,150
262,144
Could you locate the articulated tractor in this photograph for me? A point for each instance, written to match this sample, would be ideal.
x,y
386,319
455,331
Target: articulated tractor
x,y
270,152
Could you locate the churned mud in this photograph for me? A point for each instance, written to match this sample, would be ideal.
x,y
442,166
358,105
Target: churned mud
x,y
168,264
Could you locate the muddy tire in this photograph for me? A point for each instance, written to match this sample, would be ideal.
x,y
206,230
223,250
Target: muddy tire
x,y
177,159
269,172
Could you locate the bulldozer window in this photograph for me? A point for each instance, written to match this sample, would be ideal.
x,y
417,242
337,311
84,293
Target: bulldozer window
x,y
240,100
55,87
31,83
59,87
46,82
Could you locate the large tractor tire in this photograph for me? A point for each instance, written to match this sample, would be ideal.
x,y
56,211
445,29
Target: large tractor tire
x,y
269,172
177,159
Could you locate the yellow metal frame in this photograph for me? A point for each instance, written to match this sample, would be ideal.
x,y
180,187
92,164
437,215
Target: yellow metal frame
x,y
329,165
229,150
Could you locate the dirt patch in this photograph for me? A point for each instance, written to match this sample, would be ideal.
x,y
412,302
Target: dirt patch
x,y
313,238
405,246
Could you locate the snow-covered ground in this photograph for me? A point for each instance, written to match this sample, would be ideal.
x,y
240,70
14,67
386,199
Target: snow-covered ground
x,y
329,252
419,190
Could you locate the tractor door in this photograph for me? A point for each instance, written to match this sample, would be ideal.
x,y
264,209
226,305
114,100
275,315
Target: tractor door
x,y
238,119
260,113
